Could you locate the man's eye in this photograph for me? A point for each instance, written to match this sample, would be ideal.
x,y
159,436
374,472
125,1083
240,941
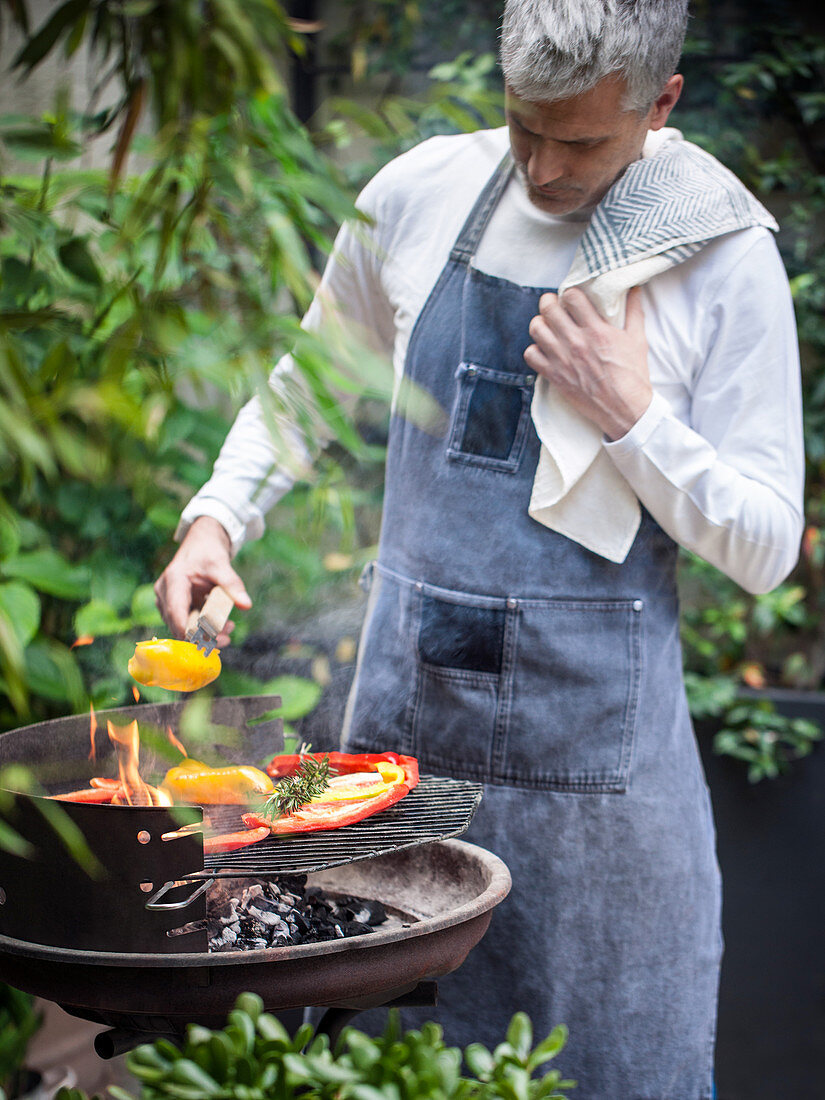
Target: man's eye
x,y
520,126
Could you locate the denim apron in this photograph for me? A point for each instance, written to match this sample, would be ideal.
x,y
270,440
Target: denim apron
x,y
497,650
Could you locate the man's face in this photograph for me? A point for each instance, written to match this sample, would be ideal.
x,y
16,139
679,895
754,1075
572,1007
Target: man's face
x,y
569,152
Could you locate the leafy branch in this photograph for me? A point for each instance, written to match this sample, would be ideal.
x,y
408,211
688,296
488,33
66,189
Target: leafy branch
x,y
296,790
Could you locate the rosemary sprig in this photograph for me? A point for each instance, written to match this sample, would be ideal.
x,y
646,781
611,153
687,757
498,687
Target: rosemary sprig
x,y
296,790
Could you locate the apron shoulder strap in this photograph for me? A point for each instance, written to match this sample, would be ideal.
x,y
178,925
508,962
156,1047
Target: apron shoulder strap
x,y
471,232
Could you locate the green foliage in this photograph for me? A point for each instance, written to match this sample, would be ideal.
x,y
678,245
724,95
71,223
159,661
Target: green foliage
x,y
141,304
136,312
768,742
19,1023
254,1058
762,114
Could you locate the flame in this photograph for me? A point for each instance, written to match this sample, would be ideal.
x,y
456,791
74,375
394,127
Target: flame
x,y
134,792
92,732
84,639
174,741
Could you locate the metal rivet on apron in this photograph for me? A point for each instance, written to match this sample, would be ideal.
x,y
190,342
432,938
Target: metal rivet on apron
x,y
529,380
512,602
471,372
637,605
419,587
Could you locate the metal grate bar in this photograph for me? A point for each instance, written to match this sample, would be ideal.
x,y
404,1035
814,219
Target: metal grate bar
x,y
436,809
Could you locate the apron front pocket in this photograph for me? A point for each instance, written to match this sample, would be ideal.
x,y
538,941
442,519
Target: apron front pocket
x,y
575,692
461,643
490,417
531,693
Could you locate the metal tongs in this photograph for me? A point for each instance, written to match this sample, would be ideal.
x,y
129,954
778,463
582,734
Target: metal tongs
x,y
204,626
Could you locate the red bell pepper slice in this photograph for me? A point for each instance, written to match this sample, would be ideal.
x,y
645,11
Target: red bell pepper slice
x,y
345,763
228,842
335,813
92,795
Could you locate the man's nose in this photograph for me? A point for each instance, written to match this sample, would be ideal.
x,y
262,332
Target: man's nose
x,y
546,164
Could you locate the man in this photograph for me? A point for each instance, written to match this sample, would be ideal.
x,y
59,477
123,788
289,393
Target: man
x,y
522,626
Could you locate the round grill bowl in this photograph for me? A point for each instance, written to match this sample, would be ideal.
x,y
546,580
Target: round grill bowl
x,y
449,888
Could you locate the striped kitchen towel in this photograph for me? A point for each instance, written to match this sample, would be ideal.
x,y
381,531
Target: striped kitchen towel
x,y
663,209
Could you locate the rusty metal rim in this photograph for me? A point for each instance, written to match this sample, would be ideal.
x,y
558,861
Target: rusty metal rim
x,y
495,892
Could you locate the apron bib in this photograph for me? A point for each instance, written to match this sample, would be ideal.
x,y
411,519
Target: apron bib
x,y
497,650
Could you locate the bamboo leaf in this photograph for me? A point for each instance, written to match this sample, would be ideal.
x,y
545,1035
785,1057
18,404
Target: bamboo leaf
x,y
76,258
40,44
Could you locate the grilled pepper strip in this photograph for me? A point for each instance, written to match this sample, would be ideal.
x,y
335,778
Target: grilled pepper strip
x,y
228,842
94,795
328,812
345,763
204,786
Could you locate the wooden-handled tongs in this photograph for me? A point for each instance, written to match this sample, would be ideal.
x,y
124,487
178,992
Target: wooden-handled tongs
x,y
204,626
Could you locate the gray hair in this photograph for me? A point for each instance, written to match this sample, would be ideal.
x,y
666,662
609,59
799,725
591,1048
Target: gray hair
x,y
556,49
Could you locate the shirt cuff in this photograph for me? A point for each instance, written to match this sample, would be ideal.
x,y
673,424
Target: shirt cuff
x,y
238,531
642,430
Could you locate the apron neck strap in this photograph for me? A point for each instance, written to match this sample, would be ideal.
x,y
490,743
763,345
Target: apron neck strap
x,y
471,232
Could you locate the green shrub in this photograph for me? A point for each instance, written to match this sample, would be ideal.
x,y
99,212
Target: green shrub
x,y
254,1058
19,1023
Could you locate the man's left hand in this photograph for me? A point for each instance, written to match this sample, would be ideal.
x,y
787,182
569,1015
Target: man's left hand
x,y
601,370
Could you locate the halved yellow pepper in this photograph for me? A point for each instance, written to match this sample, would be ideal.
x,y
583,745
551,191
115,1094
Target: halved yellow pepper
x,y
352,786
204,786
172,664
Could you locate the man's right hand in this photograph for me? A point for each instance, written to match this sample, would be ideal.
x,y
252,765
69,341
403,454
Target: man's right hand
x,y
202,561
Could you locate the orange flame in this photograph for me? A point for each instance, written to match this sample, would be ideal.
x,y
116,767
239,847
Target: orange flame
x,y
135,792
84,639
92,732
174,741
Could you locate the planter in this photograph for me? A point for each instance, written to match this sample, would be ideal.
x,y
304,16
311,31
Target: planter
x,y
771,844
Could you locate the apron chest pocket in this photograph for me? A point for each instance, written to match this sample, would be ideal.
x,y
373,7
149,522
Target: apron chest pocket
x,y
490,417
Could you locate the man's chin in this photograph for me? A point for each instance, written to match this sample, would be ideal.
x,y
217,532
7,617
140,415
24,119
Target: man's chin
x,y
561,201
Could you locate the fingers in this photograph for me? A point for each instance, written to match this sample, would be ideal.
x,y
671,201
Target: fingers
x,y
229,580
174,598
558,331
573,307
201,562
601,369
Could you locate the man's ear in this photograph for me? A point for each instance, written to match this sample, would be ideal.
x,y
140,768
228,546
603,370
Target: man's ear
x,y
665,102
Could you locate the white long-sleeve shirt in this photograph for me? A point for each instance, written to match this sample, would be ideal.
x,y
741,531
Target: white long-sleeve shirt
x,y
716,459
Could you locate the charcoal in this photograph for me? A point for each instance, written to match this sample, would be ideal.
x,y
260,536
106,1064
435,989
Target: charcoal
x,y
359,910
354,928
253,916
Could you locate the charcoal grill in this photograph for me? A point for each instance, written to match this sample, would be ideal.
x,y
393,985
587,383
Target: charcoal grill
x,y
109,946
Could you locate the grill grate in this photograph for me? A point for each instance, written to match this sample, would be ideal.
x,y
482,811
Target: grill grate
x,y
437,808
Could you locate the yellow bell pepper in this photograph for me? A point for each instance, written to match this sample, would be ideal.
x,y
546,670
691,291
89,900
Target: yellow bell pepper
x,y
357,785
172,664
204,786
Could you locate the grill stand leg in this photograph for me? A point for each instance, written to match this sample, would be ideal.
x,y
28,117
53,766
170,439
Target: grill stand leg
x,y
337,1017
119,1040
424,994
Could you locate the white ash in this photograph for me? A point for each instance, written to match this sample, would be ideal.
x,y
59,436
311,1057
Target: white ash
x,y
246,915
